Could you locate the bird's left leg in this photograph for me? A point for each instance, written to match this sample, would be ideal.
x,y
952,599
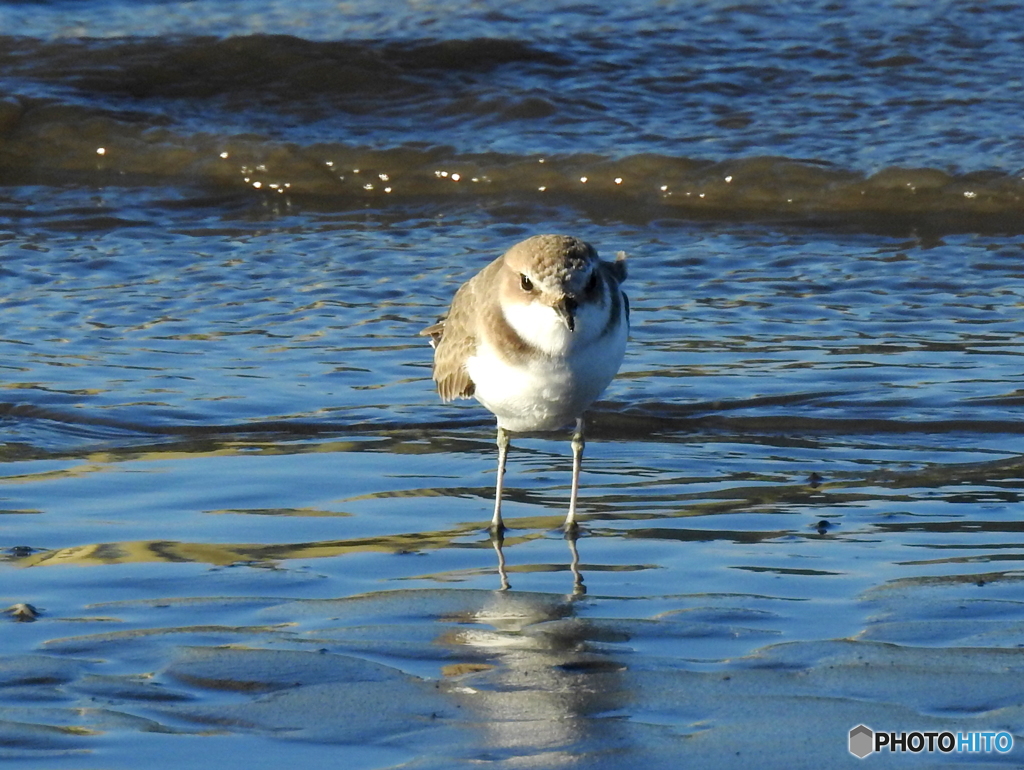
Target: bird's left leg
x,y
577,461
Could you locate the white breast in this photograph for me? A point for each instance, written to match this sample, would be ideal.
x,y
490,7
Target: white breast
x,y
552,388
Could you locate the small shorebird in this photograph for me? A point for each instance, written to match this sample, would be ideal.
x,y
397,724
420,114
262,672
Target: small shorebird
x,y
535,337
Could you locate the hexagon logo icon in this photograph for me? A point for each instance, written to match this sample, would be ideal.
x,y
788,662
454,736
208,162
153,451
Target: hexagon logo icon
x,y
862,739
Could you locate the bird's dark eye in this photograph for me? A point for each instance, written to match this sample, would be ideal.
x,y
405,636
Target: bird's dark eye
x,y
525,282
592,283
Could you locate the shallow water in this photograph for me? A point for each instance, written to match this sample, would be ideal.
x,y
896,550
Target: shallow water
x,y
253,533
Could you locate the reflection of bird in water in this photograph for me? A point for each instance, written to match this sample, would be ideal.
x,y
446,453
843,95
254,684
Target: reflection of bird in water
x,y
549,673
535,337
578,589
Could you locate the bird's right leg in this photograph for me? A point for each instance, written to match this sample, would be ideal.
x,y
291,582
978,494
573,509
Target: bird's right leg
x,y
497,525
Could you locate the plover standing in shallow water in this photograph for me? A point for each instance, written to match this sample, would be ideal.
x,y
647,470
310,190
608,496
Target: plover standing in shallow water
x,y
535,337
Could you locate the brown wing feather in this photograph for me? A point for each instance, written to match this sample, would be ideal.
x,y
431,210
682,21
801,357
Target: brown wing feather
x,y
455,338
435,332
618,267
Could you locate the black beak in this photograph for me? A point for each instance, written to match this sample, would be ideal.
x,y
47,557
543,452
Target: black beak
x,y
566,310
